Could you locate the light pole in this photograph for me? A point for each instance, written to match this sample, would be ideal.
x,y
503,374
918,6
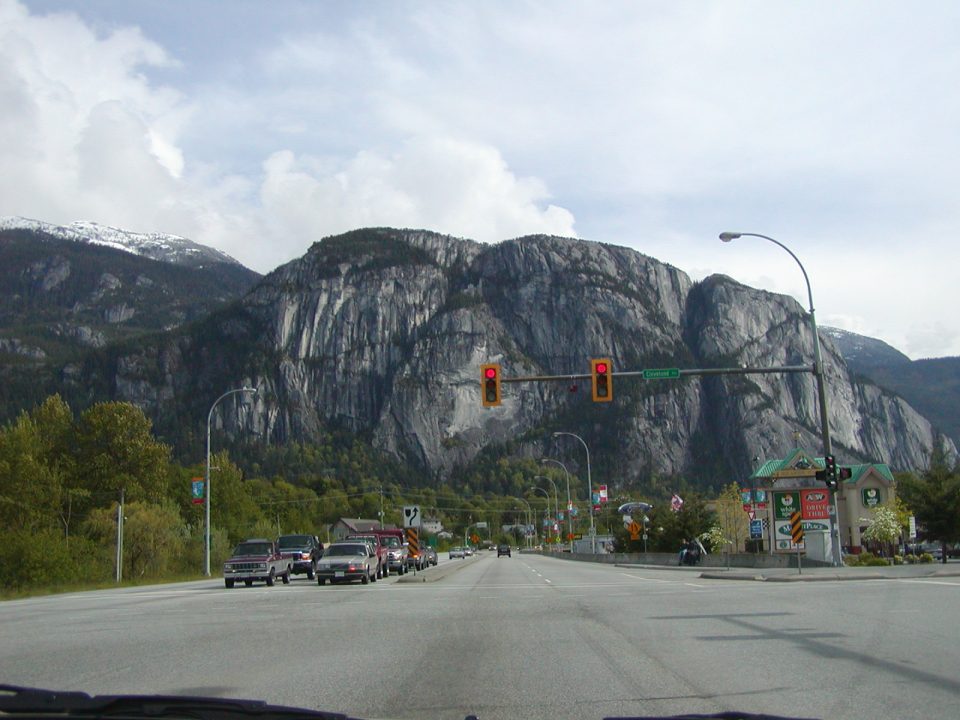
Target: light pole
x,y
529,520
569,519
593,532
556,499
206,533
547,496
818,373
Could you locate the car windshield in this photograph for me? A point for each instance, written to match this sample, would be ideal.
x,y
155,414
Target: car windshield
x,y
391,541
294,541
341,550
252,549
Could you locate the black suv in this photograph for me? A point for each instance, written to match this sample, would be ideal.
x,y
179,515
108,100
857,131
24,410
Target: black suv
x,y
503,550
302,552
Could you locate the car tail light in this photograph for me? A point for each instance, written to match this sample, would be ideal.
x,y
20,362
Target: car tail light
x,y
304,556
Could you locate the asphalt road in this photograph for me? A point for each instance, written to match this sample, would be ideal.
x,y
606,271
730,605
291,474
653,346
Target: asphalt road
x,y
520,637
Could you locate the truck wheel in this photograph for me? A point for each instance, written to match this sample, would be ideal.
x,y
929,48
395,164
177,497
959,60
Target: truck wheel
x,y
270,579
228,582
248,583
365,579
321,581
286,577
310,572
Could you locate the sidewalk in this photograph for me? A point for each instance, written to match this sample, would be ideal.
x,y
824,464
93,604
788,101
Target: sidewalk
x,y
813,574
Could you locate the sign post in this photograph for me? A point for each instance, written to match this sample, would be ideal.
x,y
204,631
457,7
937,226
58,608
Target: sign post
x,y
796,534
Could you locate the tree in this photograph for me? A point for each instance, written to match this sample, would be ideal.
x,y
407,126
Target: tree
x,y
883,526
733,523
115,450
935,499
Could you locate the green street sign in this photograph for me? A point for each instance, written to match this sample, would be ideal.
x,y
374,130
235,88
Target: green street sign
x,y
661,374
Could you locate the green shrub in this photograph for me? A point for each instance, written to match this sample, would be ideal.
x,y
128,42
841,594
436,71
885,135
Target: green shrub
x,y
926,558
910,558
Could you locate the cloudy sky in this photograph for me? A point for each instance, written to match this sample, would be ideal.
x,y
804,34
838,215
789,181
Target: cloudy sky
x,y
261,127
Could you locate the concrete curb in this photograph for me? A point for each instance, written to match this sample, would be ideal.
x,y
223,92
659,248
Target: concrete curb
x,y
438,572
823,577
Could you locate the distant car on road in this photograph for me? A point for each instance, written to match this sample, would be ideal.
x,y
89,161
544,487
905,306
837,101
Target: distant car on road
x,y
503,550
456,552
345,561
429,556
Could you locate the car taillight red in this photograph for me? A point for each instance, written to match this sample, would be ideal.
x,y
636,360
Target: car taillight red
x,y
304,556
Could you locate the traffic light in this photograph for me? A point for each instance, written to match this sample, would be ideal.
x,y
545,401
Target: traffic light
x,y
829,472
601,374
490,385
845,473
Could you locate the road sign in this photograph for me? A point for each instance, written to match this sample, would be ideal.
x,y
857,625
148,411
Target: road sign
x,y
413,542
756,529
634,530
661,374
196,491
480,525
411,516
796,528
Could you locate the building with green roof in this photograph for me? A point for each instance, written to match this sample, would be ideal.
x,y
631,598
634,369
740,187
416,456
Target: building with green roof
x,y
780,487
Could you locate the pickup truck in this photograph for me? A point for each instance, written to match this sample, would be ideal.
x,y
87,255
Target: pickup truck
x,y
302,552
255,560
398,557
383,560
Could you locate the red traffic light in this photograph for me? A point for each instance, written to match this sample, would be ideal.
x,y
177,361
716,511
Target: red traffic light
x,y
490,385
601,380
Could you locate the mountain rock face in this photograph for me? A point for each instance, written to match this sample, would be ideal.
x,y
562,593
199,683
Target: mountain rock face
x,y
383,332
863,353
156,246
931,385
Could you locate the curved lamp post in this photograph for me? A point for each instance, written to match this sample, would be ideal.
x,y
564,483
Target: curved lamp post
x,y
569,519
593,533
817,371
206,532
556,498
546,494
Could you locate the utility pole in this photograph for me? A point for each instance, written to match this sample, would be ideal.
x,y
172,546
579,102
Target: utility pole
x,y
120,538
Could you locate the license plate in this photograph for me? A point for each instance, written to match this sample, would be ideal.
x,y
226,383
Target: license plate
x,y
338,573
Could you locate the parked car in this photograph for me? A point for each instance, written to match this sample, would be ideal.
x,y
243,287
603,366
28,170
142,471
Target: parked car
x,y
302,552
256,560
456,552
467,551
503,550
345,561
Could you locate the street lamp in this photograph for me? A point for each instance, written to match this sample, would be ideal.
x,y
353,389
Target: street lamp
x,y
569,519
556,500
529,519
206,533
547,496
593,535
817,371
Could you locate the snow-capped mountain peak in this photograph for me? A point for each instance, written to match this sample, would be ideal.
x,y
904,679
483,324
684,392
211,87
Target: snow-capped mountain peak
x,y
156,246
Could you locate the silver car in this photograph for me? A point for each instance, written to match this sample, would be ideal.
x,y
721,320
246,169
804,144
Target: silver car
x,y
345,561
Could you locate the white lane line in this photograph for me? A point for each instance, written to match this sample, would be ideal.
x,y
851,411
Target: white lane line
x,y
930,582
694,585
545,580
640,577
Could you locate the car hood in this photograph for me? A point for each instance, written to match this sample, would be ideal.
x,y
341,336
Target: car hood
x,y
342,559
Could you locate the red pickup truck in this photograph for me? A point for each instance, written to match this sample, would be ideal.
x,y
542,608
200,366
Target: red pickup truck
x,y
256,560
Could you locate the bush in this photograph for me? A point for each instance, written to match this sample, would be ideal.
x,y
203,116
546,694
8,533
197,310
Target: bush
x,y
874,561
910,558
898,559
926,558
46,558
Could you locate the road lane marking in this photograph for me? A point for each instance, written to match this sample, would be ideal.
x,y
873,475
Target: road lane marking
x,y
930,582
